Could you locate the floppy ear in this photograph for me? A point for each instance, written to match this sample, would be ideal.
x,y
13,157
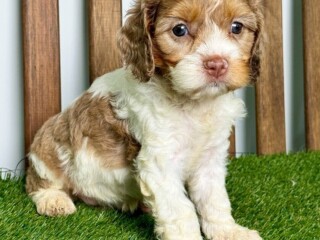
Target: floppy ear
x,y
257,6
134,39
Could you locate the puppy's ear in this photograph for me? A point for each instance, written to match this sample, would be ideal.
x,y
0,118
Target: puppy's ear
x,y
257,6
135,39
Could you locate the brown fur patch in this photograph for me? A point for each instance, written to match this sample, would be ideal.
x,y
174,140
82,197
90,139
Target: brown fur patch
x,y
90,119
34,182
107,136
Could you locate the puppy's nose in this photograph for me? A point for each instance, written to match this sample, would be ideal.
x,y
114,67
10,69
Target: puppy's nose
x,y
216,66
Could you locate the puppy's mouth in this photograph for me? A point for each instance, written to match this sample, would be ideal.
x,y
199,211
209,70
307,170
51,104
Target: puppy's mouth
x,y
216,82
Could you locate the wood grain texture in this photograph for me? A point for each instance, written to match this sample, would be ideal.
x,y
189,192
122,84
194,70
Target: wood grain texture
x,y
41,63
232,139
270,86
104,22
311,15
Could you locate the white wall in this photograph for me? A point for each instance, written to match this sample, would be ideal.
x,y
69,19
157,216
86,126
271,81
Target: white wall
x,y
74,74
293,74
125,6
11,90
73,49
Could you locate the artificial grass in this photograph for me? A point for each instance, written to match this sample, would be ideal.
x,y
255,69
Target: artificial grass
x,y
277,195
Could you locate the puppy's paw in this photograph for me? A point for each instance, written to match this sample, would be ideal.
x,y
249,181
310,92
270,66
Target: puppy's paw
x,y
179,230
52,202
235,232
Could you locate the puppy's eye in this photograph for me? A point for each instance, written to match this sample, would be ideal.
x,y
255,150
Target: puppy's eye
x,y
180,30
236,27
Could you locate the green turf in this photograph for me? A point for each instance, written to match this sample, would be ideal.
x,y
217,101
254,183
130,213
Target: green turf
x,y
277,195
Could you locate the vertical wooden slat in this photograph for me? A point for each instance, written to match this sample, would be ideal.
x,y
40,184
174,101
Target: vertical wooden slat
x,y
232,148
104,22
41,63
311,15
270,86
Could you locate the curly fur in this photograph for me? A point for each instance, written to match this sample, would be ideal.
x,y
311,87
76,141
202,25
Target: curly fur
x,y
135,43
155,133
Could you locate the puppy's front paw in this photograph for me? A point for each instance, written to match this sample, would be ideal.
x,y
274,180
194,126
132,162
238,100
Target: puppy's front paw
x,y
235,232
180,230
53,202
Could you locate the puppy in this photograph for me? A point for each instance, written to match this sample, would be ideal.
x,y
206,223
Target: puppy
x,y
156,131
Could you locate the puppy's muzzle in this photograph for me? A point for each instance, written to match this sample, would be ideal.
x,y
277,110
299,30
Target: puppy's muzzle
x,y
216,67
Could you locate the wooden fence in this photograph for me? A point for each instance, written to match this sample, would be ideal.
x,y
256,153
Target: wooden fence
x,y
42,67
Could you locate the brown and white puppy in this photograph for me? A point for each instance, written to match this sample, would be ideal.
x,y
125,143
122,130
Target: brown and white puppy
x,y
156,131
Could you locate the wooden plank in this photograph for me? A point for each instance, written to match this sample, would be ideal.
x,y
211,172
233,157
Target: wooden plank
x,y
311,15
270,86
104,22
232,139
41,64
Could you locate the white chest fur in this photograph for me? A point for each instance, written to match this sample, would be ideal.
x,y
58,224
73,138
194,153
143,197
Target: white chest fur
x,y
183,130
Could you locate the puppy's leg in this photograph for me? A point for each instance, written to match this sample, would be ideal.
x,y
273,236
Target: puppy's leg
x,y
165,194
207,190
46,190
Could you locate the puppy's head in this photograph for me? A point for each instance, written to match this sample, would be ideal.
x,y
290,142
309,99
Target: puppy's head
x,y
205,47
